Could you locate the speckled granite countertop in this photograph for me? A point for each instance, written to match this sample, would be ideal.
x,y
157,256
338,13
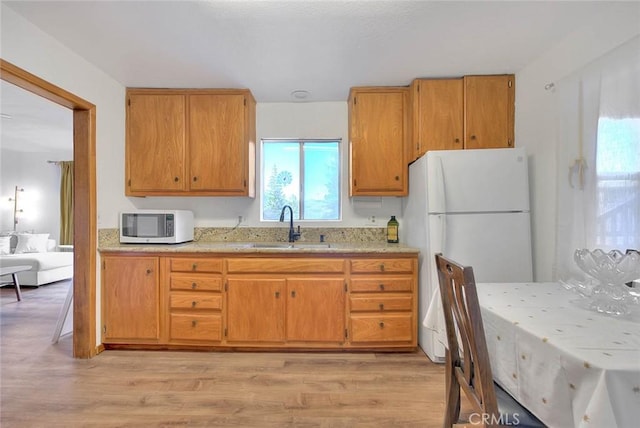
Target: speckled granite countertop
x,y
266,240
263,247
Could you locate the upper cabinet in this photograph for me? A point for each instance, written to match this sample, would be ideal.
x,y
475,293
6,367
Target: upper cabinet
x,y
378,137
489,111
471,112
198,142
438,122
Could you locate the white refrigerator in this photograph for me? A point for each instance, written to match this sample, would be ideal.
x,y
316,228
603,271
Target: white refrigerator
x,y
473,207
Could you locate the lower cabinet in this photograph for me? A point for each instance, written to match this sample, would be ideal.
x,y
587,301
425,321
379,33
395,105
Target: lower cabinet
x,y
315,310
256,310
195,301
289,302
301,302
130,300
382,302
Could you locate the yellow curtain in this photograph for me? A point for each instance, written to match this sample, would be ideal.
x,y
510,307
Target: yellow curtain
x,y
66,203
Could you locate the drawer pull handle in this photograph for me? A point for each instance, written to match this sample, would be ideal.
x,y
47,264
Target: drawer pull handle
x,y
293,293
277,294
381,286
194,266
193,304
194,323
381,324
382,306
194,285
382,267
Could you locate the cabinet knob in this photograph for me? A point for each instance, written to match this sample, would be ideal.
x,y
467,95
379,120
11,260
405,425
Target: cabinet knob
x,y
194,266
148,271
277,294
194,285
293,293
382,306
457,140
397,178
381,324
382,267
194,323
473,137
176,179
193,304
381,286
195,179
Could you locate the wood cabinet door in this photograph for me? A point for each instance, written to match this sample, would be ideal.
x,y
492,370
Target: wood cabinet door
x,y
438,115
378,142
155,145
489,111
218,147
130,299
315,310
256,310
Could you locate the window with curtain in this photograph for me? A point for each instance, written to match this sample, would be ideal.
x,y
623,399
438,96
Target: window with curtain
x,y
598,113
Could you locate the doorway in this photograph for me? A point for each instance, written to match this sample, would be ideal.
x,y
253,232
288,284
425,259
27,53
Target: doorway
x,y
85,211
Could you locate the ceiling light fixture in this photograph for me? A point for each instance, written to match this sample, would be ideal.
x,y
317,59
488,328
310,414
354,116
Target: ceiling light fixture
x,y
300,95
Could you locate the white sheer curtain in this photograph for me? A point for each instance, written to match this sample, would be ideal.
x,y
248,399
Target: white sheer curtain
x,y
598,112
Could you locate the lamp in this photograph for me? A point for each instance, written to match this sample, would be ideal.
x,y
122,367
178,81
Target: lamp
x,y
15,206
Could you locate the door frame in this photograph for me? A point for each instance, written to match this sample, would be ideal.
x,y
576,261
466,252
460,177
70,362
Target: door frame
x,y
84,202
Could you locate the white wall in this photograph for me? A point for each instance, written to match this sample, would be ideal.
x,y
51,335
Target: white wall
x,y
536,126
41,197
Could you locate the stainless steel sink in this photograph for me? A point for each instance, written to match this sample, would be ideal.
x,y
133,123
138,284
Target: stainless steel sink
x,y
281,245
312,245
268,245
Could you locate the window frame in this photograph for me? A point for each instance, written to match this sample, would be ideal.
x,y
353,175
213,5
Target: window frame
x,y
301,142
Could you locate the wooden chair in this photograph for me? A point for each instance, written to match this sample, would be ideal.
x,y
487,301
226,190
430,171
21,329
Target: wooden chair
x,y
467,360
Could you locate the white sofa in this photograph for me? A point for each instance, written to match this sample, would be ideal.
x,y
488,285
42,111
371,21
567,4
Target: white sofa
x,y
46,266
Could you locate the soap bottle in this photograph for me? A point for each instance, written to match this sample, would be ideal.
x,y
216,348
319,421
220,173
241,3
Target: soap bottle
x,y
392,230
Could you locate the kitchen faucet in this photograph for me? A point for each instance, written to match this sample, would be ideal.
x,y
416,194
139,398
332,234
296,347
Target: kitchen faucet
x,y
293,236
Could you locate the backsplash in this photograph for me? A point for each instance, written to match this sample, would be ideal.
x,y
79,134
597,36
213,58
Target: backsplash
x,y
111,237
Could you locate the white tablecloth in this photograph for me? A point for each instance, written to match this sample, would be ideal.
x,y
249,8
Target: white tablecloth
x,y
570,366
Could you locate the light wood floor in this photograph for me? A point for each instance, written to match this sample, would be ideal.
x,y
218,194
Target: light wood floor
x,y
43,386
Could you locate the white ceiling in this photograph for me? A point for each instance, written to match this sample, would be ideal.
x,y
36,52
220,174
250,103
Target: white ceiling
x,y
31,123
324,47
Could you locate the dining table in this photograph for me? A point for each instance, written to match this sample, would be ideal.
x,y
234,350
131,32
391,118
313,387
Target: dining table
x,y
569,365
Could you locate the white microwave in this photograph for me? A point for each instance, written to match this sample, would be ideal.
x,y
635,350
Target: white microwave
x,y
156,226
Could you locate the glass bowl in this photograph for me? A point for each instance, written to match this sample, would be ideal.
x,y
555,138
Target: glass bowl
x,y
613,267
605,291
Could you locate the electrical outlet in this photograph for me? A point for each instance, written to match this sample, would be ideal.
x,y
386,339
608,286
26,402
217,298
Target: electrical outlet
x,y
372,219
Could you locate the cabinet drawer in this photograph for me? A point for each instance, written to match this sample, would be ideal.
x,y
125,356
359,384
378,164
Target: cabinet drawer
x,y
196,327
187,300
280,265
196,265
381,328
380,284
196,282
381,265
380,303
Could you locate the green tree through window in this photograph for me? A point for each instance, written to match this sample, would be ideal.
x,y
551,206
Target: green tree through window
x,y
304,174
